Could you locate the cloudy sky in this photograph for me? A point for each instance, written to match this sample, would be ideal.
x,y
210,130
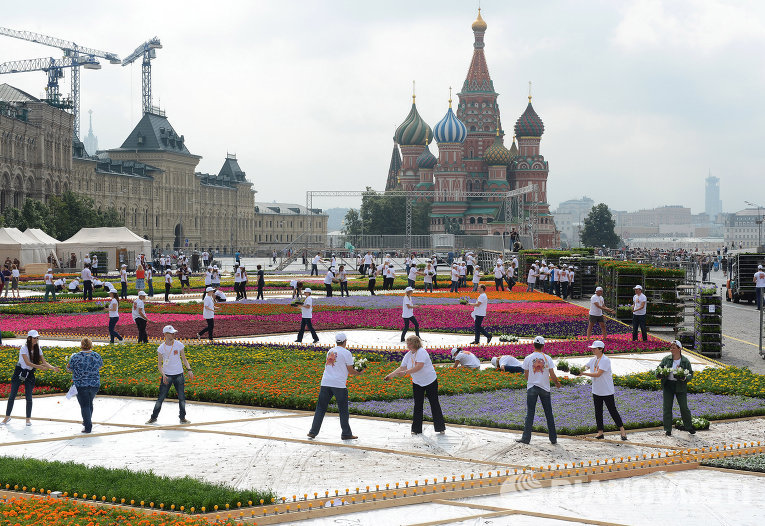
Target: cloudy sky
x,y
640,99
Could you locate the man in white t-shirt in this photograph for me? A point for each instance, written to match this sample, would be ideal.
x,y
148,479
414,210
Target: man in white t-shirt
x,y
328,279
470,261
563,279
476,277
171,357
455,278
238,282
639,302
539,369
123,282
50,288
531,280
507,363
74,285
139,317
463,358
367,262
759,283
337,368
87,283
499,275
208,313
597,306
315,264
307,316
479,313
407,314
543,277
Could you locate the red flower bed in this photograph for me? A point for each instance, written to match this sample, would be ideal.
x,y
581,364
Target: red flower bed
x,y
5,390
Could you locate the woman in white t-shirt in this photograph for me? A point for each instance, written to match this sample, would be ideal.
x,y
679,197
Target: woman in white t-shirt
x,y
408,314
208,313
603,388
428,274
30,359
476,277
15,275
342,277
417,365
114,315
372,274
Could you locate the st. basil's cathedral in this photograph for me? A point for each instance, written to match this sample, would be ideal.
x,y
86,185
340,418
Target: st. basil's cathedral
x,y
473,158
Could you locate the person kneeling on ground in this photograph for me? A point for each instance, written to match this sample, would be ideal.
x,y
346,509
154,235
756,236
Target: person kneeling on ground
x,y
465,359
507,363
337,368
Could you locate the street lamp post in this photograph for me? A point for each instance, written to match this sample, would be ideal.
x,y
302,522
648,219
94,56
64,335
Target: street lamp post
x,y
759,223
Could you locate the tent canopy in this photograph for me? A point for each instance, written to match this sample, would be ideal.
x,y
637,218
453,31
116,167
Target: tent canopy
x,y
41,236
15,244
120,244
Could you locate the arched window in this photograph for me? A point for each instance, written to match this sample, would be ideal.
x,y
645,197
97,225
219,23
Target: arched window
x,y
472,220
480,220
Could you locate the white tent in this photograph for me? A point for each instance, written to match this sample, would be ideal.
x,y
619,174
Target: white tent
x,y
120,244
15,244
42,237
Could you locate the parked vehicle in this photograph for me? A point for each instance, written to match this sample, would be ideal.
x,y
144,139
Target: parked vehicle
x,y
740,285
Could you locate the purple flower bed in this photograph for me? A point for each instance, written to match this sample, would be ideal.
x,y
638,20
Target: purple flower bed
x,y
572,407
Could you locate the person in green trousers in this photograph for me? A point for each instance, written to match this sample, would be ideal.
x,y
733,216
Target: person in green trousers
x,y
676,386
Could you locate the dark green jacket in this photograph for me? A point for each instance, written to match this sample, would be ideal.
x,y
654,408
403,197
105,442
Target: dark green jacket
x,y
679,385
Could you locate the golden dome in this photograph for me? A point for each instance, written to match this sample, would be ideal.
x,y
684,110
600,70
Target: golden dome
x,y
479,24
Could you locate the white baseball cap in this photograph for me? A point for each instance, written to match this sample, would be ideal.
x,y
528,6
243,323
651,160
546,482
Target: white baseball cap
x,y
597,344
759,267
598,289
124,265
141,293
209,289
307,290
540,340
494,361
340,337
408,289
639,287
678,343
455,350
33,334
168,329
51,270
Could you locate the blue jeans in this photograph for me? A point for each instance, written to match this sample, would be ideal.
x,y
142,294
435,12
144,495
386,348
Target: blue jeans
x,y
532,394
85,396
112,330
325,396
176,380
530,288
29,385
151,288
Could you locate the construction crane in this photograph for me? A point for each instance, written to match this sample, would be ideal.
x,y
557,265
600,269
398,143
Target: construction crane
x,y
147,51
72,51
55,70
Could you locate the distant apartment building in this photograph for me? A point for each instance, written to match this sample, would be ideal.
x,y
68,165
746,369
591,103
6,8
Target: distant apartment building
x,y
569,217
672,220
744,228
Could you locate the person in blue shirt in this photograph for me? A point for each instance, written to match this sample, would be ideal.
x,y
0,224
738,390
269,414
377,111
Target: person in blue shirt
x,y
85,367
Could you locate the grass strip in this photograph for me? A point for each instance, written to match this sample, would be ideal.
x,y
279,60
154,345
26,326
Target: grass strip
x,y
78,480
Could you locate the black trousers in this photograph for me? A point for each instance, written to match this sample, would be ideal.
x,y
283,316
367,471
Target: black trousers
x,y
142,336
209,328
371,287
611,405
406,327
328,288
344,287
638,321
418,393
479,328
167,292
499,284
243,290
314,268
305,323
29,385
260,291
87,290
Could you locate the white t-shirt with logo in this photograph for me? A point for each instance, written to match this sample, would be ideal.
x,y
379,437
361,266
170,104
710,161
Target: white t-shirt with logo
x,y
760,279
408,307
208,309
307,308
49,279
426,375
509,361
596,304
538,364
336,367
640,298
468,359
171,357
137,306
114,304
480,310
603,385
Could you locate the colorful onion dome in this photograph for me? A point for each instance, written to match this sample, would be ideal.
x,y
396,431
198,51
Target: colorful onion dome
x,y
529,124
513,149
479,24
426,159
450,128
497,154
413,131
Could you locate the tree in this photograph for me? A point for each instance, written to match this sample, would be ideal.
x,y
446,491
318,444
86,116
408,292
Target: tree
x,y
71,212
600,228
386,215
352,223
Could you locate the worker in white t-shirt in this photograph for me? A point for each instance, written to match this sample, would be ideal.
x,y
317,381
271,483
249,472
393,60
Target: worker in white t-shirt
x,y
507,363
171,357
306,320
407,314
759,283
463,358
476,277
463,274
570,276
367,262
603,388
470,261
531,279
87,283
639,302
337,367
328,280
428,275
543,277
315,264
499,277
539,369
74,285
168,284
342,278
59,284
455,275
208,313
563,279
50,288
139,317
123,282
597,306
479,313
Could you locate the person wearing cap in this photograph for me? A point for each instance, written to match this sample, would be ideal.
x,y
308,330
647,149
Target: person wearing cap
x,y
168,284
306,319
544,275
329,278
499,275
418,366
597,306
208,281
470,263
478,314
372,273
539,369
455,275
462,274
87,283
50,288
31,359
342,277
531,279
428,275
563,281
674,387
408,314
759,283
171,357
74,286
85,367
315,264
510,276
570,276
123,282
639,302
215,277
476,279
603,388
463,358
507,363
114,315
337,367
208,313
555,272
390,276
140,318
